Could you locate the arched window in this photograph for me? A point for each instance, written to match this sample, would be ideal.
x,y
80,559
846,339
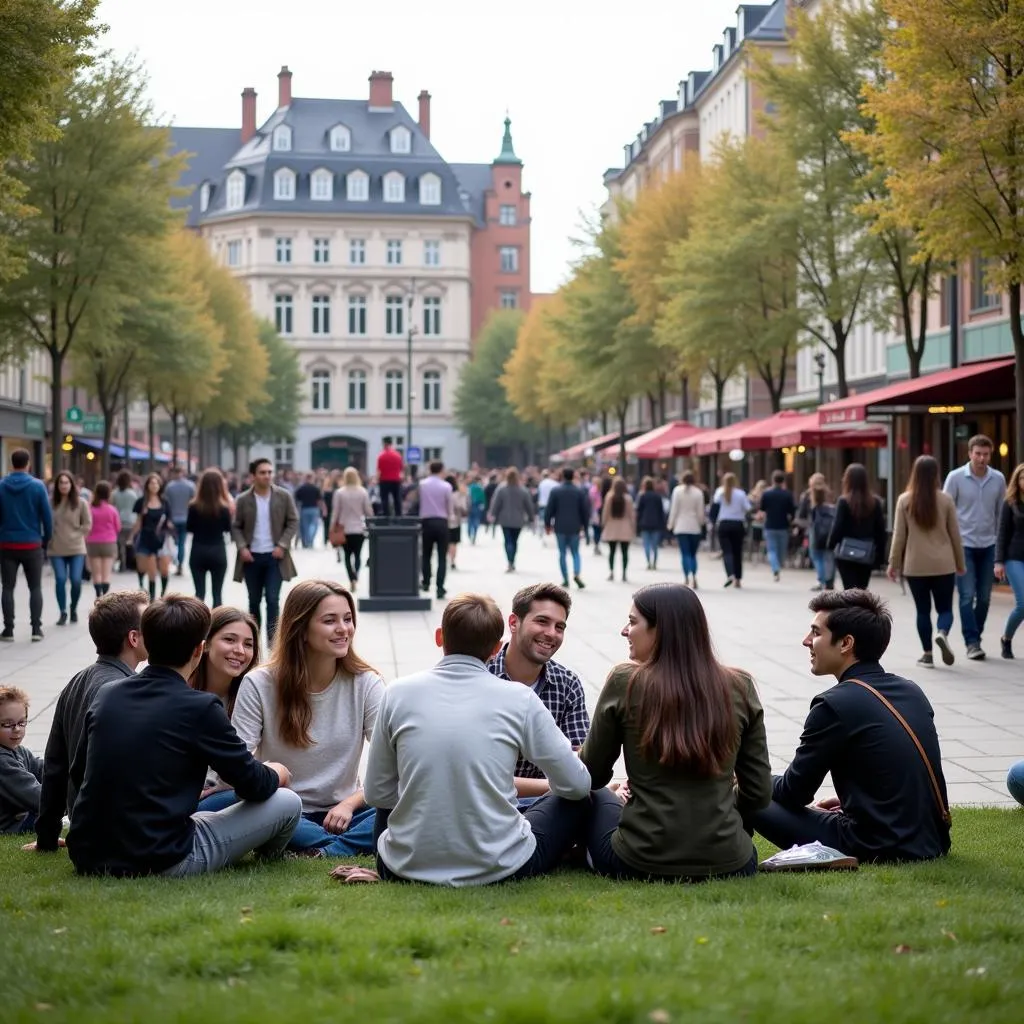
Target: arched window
x,y
357,391
284,184
432,391
401,139
341,139
321,390
357,186
204,197
236,190
394,391
282,138
394,187
321,185
430,190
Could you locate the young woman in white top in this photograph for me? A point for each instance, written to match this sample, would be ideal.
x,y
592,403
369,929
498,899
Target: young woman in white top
x,y
686,520
312,707
350,505
733,508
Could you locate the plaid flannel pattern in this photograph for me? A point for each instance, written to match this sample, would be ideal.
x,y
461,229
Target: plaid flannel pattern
x,y
561,692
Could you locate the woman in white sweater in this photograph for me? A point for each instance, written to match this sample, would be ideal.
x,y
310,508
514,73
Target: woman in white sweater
x,y
350,506
311,708
686,522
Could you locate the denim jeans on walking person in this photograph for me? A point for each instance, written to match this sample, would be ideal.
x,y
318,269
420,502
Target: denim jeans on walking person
x,y
310,834
67,567
223,837
181,528
511,535
1015,782
975,588
31,562
569,543
824,566
651,541
476,517
1015,577
309,522
688,545
777,543
263,580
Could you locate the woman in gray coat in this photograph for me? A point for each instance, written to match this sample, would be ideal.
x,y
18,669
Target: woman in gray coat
x,y
512,509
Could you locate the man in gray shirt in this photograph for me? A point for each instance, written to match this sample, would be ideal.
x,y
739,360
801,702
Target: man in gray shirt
x,y
442,761
436,506
178,493
978,491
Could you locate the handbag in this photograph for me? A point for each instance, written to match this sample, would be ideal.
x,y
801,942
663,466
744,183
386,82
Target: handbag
x,y
336,535
852,549
936,791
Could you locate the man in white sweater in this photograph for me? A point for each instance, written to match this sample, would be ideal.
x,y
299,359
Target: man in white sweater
x,y
442,762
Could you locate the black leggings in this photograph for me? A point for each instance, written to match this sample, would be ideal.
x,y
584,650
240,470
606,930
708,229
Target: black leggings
x,y
730,538
623,546
853,574
212,559
353,554
924,589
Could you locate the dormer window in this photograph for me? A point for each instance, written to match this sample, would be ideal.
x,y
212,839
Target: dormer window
x,y
341,139
394,187
235,198
401,139
284,184
357,187
430,190
321,185
204,197
282,138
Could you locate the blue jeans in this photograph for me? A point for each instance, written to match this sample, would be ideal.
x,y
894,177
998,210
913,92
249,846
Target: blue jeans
x,y
511,535
1015,574
67,567
688,545
651,540
356,841
309,523
569,542
263,579
182,536
777,542
824,565
476,517
975,588
1015,782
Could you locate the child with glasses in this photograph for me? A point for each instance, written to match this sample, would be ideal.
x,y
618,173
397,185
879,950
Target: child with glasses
x,y
21,772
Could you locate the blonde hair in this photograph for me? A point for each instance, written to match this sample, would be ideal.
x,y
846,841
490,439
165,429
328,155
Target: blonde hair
x,y
351,478
728,483
1015,488
13,695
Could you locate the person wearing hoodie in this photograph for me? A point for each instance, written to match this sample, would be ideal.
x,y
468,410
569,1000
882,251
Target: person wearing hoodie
x,y
26,526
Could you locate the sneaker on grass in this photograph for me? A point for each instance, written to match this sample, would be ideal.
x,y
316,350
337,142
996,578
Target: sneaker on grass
x,y
809,857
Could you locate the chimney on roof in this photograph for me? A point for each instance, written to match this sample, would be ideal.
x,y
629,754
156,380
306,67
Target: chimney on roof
x,y
380,90
424,99
248,113
284,87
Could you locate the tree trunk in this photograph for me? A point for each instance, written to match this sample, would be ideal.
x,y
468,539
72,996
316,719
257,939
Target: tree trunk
x,y
56,412
922,320
151,413
547,438
127,432
623,411
839,335
108,436
662,403
174,438
719,400
652,402
1017,333
604,423
913,354
685,408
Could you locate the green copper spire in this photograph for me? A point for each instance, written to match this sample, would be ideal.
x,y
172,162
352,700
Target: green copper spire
x,y
508,154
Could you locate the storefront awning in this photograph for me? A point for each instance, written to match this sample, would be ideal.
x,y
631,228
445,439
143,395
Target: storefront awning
x,y
585,448
976,382
661,439
753,435
807,431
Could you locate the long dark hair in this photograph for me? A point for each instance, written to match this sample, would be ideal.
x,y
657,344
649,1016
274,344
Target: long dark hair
x,y
211,494
684,708
223,617
923,492
72,493
101,493
617,506
856,491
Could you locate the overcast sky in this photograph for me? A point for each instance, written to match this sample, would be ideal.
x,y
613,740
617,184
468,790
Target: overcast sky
x,y
578,77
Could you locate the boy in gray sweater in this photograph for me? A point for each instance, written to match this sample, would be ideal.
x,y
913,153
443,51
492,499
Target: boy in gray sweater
x,y
21,772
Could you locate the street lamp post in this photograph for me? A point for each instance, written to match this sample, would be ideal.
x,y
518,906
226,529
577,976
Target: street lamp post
x,y
819,362
408,388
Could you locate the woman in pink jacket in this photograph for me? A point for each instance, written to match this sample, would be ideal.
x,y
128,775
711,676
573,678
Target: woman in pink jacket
x,y
101,543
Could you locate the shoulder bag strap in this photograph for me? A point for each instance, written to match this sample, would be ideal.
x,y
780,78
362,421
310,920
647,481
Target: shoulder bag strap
x,y
936,791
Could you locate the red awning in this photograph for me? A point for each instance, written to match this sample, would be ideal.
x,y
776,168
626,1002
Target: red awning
x,y
651,444
976,382
686,445
579,451
753,435
806,430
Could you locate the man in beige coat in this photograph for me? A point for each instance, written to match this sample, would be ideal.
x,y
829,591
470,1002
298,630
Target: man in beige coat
x,y
263,528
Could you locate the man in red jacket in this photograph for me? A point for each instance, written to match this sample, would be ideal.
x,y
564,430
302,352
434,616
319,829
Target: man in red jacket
x,y
389,475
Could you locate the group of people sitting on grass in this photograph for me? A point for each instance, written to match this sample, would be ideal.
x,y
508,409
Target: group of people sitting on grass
x,y
484,768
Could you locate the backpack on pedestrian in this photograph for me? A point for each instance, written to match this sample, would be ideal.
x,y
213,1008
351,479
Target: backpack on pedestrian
x,y
822,518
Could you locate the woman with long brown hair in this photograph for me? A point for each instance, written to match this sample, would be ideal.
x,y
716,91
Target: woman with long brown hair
x,y
1010,554
511,508
152,528
232,648
312,707
101,543
72,522
209,522
730,508
858,532
692,731
927,552
618,525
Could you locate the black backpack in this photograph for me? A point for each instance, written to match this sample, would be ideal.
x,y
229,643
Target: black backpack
x,y
822,518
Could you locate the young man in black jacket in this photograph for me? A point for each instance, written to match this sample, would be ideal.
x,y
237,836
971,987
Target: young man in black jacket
x,y
567,514
115,625
891,805
142,761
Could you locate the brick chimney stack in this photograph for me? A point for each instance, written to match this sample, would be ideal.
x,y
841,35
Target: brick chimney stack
x,y
248,113
284,87
424,98
380,90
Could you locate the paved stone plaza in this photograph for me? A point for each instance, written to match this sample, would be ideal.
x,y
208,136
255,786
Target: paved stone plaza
x,y
979,706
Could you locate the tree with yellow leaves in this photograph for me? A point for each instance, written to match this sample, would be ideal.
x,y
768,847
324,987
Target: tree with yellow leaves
x,y
950,116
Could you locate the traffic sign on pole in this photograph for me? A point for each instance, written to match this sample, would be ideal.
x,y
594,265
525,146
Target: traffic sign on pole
x,y
413,455
73,415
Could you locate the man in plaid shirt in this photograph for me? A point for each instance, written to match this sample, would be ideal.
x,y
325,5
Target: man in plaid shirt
x,y
537,629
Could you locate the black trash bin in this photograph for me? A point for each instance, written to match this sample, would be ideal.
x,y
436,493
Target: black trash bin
x,y
394,566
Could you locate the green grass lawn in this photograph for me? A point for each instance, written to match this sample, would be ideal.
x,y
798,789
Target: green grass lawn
x,y
929,943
